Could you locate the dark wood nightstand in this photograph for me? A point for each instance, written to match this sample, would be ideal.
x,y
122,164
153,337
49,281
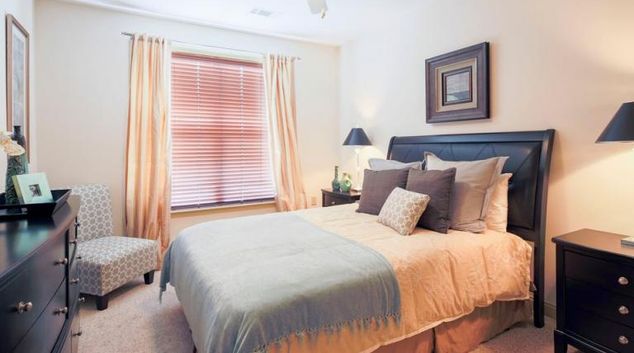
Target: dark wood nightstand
x,y
595,292
332,198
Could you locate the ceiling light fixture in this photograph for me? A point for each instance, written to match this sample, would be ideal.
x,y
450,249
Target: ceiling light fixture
x,y
318,7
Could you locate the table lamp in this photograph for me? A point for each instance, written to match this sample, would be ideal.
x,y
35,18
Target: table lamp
x,y
357,138
621,127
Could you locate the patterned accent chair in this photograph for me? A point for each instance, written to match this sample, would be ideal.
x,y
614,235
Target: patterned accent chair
x,y
107,261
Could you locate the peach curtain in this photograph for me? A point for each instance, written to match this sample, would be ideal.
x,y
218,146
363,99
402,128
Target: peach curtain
x,y
280,90
147,180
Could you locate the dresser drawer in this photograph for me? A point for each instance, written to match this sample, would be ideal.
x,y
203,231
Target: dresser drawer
x,y
71,339
73,233
75,331
73,285
583,296
68,345
43,335
33,286
609,275
619,338
331,200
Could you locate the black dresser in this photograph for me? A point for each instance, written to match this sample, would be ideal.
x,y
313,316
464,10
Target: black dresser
x,y
595,292
39,287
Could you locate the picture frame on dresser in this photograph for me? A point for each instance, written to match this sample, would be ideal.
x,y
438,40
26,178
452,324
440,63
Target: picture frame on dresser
x,y
457,85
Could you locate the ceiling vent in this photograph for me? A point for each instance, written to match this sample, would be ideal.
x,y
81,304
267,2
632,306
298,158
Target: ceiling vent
x,y
261,12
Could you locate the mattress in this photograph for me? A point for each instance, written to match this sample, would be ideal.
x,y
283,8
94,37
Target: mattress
x,y
441,277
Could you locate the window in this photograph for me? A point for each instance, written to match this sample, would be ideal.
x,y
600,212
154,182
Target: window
x,y
220,134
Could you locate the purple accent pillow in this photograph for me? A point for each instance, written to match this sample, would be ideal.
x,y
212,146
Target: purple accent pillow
x,y
437,184
377,186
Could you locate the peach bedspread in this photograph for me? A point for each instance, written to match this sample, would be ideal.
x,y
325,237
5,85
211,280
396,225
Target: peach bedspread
x,y
441,277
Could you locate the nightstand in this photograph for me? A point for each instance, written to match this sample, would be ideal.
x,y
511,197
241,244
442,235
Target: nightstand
x,y
332,198
595,292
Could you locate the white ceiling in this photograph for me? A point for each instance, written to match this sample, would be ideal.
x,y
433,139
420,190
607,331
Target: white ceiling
x,y
346,19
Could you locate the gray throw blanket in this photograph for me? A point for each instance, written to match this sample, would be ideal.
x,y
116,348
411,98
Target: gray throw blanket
x,y
249,282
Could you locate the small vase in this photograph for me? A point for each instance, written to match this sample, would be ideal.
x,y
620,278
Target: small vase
x,y
336,186
346,182
16,165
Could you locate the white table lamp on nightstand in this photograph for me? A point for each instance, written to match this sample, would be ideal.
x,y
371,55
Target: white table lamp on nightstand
x,y
358,139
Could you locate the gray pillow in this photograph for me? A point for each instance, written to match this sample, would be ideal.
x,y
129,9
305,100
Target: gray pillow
x,y
377,186
438,184
388,164
475,181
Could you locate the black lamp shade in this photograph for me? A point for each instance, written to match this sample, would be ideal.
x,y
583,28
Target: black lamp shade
x,y
621,127
357,137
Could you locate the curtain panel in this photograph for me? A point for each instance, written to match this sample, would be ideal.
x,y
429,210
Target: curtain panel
x,y
147,179
280,90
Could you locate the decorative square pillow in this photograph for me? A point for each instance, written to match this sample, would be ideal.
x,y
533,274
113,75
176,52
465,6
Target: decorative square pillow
x,y
387,164
438,184
377,186
498,213
402,210
472,191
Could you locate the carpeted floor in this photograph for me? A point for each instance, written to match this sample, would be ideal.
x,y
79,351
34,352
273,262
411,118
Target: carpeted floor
x,y
136,322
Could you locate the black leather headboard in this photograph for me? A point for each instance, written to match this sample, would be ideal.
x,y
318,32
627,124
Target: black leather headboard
x,y
529,155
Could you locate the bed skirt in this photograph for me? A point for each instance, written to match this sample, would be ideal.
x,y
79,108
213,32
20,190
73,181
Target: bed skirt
x,y
465,334
458,336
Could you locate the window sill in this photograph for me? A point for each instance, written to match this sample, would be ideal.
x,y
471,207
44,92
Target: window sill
x,y
220,208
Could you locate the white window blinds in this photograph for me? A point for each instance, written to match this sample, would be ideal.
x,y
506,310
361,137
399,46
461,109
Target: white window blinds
x,y
220,134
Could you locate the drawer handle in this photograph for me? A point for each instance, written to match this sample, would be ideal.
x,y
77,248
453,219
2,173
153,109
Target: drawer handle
x,y
623,340
332,202
74,242
624,310
63,261
77,334
624,281
77,224
76,280
24,307
60,311
82,299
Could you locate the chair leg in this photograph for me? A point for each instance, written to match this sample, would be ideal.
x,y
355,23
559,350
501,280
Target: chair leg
x,y
102,301
149,277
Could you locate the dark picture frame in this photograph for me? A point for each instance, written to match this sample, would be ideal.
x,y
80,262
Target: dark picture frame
x,y
457,85
17,78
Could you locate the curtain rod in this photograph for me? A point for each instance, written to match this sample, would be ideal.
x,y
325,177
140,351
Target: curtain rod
x,y
128,34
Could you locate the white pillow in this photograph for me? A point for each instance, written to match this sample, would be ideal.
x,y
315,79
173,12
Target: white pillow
x,y
472,189
498,212
388,164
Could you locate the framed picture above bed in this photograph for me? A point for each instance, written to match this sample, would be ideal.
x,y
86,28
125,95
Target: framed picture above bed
x,y
17,61
457,85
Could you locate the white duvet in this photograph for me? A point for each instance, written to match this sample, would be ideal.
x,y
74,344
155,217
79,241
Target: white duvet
x,y
441,277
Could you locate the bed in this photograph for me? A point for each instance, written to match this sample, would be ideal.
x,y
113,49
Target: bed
x,y
350,284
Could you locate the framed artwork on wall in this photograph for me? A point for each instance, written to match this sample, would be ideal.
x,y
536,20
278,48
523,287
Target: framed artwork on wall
x,y
457,85
17,60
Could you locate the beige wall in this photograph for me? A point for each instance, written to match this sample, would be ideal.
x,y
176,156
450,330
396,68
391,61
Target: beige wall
x,y
83,85
564,64
22,10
